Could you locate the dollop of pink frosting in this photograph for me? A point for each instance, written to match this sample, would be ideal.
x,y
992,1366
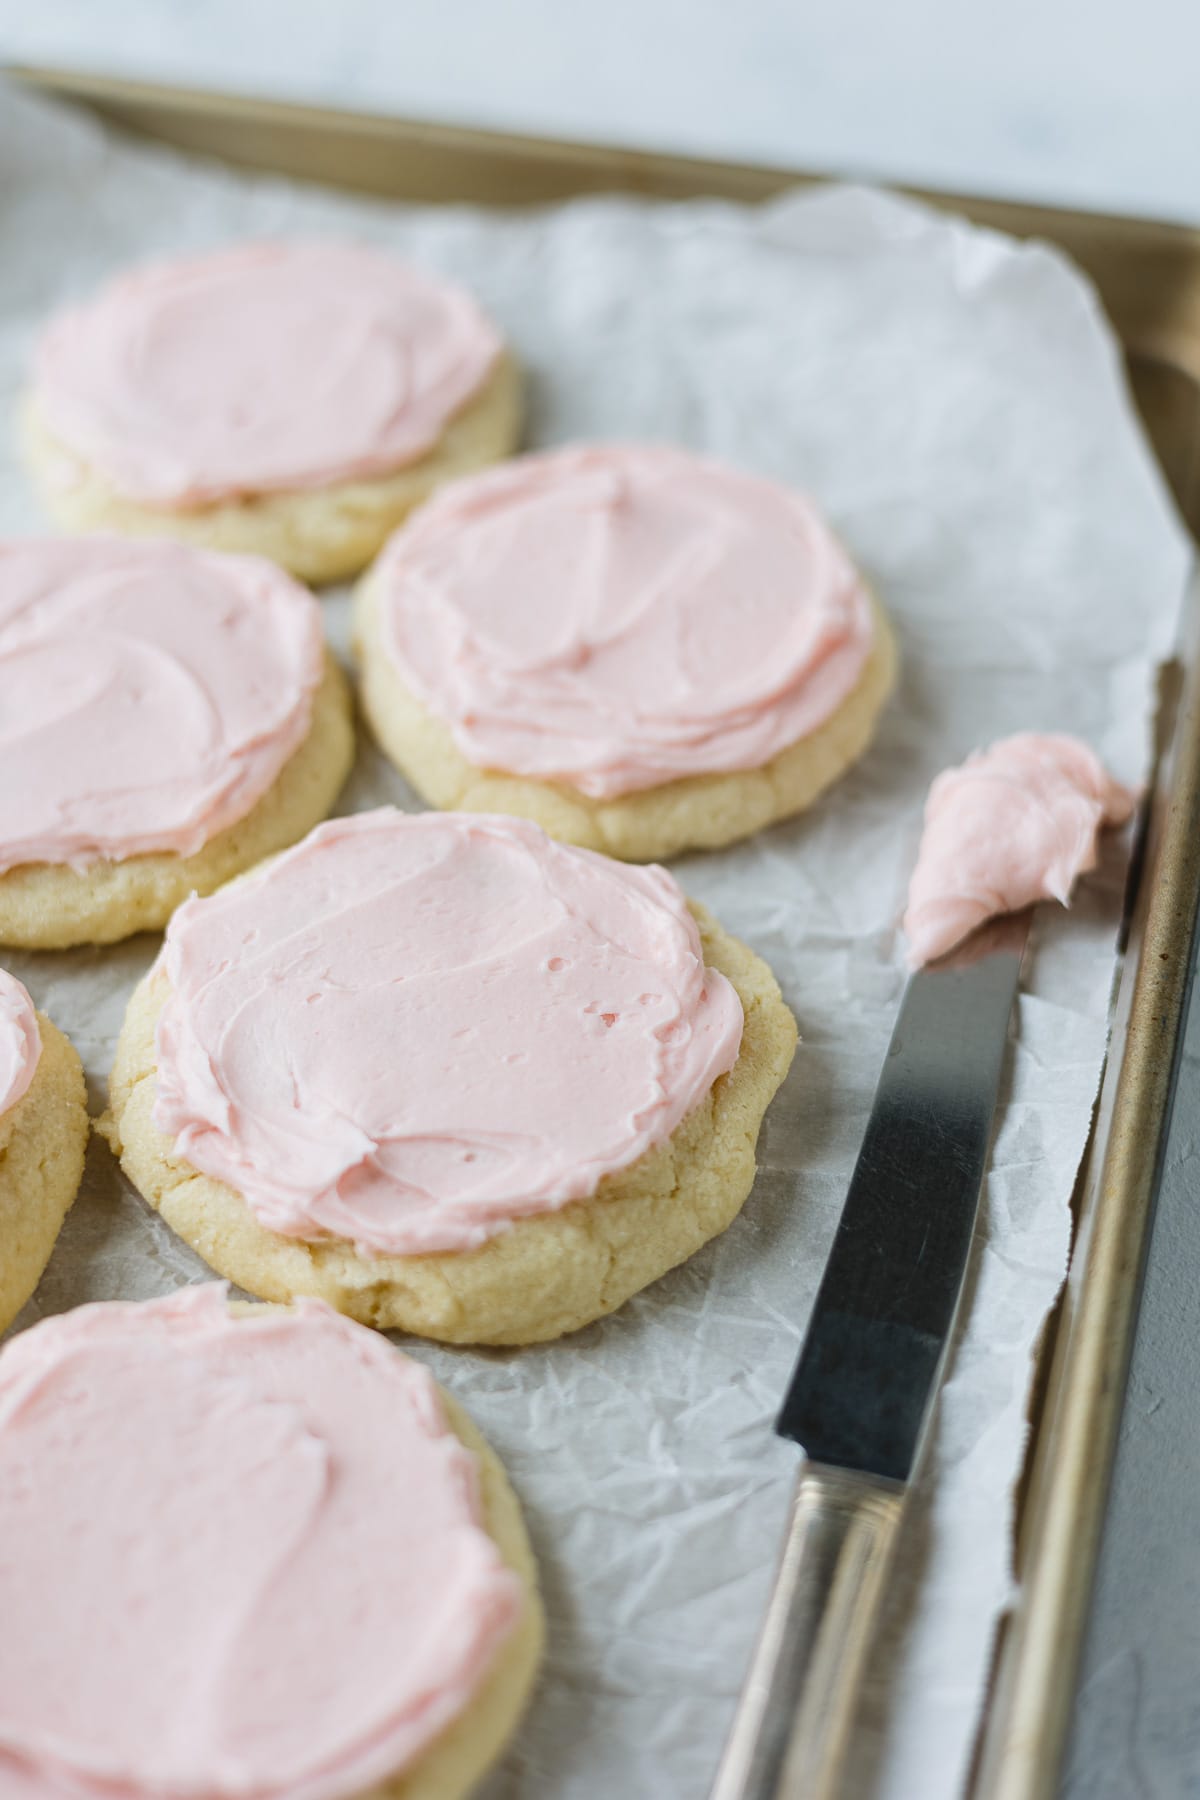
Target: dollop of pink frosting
x,y
239,1559
1017,823
617,616
264,367
411,1030
20,1041
152,693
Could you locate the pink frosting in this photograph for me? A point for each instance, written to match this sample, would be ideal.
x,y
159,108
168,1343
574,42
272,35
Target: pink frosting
x,y
1016,823
619,616
20,1041
412,1029
263,367
239,1559
152,694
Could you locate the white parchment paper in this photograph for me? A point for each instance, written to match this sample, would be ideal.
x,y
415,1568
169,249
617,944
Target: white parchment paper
x,y
957,405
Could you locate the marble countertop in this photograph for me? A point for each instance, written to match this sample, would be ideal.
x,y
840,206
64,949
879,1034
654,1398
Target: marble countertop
x,y
1088,102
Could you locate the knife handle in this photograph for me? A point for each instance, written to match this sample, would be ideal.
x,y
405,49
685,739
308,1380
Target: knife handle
x,y
791,1729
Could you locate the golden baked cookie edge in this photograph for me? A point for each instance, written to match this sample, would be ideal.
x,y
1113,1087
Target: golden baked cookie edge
x,y
697,812
50,906
42,1143
320,535
542,1277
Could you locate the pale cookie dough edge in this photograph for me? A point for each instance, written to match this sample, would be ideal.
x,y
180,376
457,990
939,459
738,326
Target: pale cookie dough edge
x,y
321,535
475,1741
543,1276
42,1143
50,906
697,812
472,1743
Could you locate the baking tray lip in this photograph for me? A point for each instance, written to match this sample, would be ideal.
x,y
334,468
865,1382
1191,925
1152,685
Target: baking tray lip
x,y
1156,315
1147,271
97,88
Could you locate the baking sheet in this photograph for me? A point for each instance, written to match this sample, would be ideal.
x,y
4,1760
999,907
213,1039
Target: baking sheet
x,y
957,405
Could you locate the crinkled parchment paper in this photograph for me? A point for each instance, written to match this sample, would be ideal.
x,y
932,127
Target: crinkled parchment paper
x,y
957,405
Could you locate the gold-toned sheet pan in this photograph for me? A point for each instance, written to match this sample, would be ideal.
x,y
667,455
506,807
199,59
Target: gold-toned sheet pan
x,y
1148,276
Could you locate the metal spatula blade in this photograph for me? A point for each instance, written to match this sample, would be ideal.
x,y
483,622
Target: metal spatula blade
x,y
865,1386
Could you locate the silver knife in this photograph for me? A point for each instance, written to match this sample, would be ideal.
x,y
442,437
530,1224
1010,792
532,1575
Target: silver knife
x,y
862,1395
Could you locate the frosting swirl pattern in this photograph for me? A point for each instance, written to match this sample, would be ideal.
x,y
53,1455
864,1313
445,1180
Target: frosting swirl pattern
x,y
619,616
264,367
410,1030
1017,823
20,1041
152,694
239,1559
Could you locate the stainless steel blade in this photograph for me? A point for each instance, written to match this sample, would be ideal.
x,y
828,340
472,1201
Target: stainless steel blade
x,y
864,1387
867,1376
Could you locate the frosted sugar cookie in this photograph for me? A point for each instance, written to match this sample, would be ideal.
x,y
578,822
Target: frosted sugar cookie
x,y
43,1134
448,1075
292,399
167,717
641,649
262,1555
1016,823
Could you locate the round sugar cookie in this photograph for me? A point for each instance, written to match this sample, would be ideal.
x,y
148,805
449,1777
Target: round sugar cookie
x,y
292,399
43,1135
480,1086
643,650
168,717
262,1552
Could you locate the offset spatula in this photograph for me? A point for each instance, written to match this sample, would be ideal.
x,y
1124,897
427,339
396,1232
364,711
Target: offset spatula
x,y
864,1388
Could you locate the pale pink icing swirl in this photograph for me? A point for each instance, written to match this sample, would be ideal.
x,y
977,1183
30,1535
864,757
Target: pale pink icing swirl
x,y
20,1041
152,694
239,1559
264,367
617,616
1017,823
411,1030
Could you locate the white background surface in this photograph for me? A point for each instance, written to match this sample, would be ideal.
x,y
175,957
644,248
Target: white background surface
x,y
1092,102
